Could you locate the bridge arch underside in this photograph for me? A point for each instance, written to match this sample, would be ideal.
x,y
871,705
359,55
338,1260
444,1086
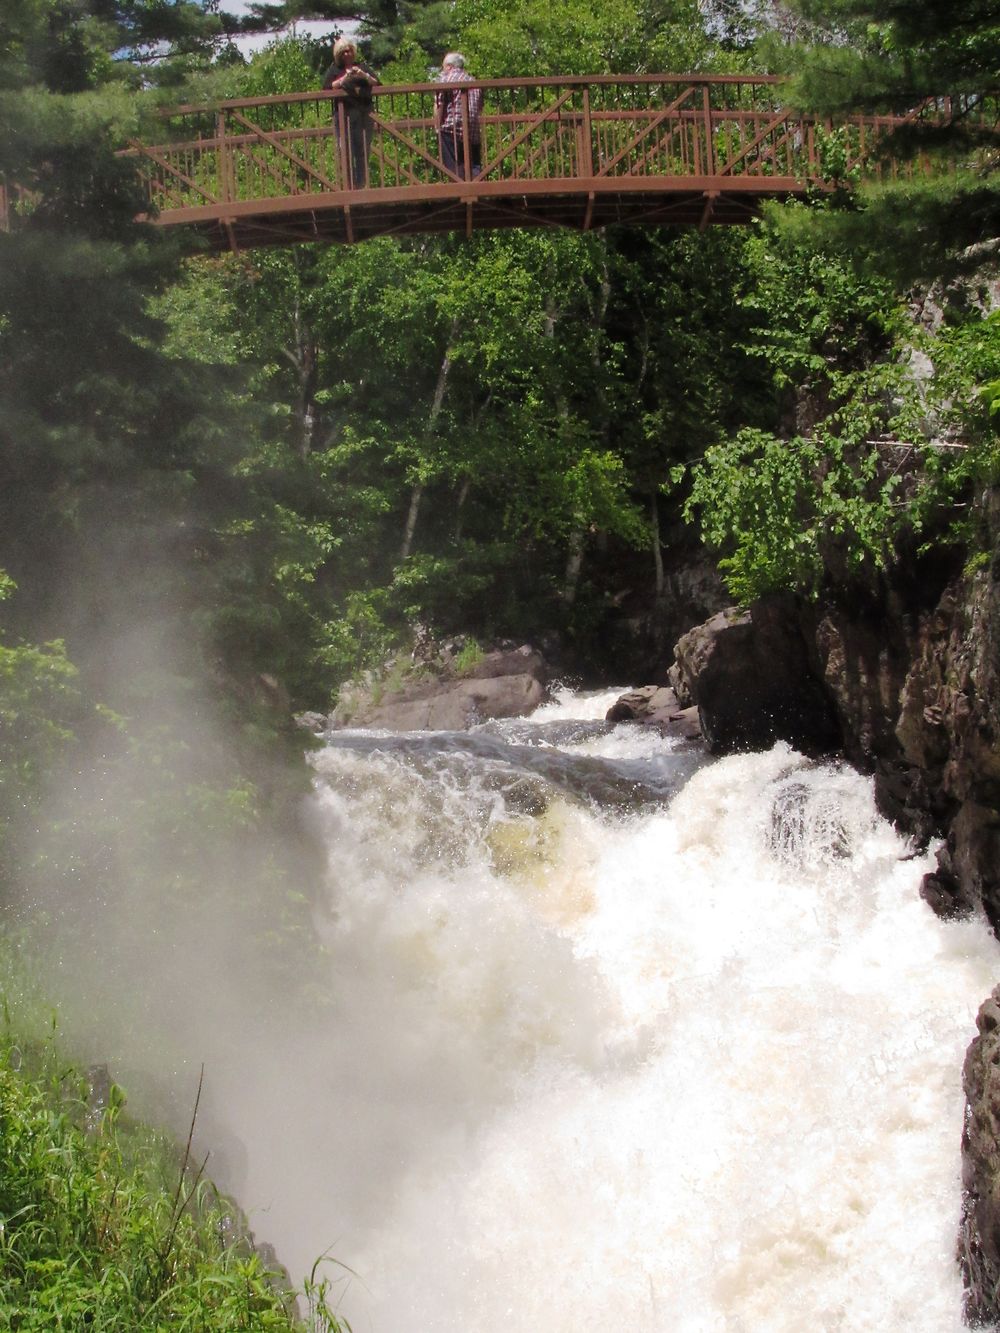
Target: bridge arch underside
x,y
348,217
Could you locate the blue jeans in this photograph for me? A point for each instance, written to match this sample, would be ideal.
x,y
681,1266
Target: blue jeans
x,y
453,153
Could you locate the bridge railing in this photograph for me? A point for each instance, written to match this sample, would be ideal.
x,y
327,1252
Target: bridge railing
x,y
605,132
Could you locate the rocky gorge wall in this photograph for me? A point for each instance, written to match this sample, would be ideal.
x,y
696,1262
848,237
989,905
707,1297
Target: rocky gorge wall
x,y
901,676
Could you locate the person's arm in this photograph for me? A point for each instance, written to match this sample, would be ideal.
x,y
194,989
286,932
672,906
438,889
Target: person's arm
x,y
442,105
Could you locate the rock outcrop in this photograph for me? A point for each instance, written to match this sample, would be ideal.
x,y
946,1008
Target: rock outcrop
x,y
438,695
657,706
749,675
916,691
979,1238
903,677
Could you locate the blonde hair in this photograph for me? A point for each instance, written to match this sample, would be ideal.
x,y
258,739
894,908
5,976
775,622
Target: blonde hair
x,y
341,45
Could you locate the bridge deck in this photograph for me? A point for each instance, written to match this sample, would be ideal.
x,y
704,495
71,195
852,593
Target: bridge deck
x,y
580,152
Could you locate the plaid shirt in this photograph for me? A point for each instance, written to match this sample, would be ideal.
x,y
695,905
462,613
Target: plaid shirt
x,y
450,104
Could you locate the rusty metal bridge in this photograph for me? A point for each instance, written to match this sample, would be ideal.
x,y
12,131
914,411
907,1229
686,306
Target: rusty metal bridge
x,y
656,149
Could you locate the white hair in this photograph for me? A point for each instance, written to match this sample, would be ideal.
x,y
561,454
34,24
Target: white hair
x,y
454,58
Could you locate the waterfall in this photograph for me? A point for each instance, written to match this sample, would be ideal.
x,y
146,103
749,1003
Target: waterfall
x,y
627,1039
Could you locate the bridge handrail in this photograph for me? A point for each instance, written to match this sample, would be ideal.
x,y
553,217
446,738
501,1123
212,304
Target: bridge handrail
x,y
986,104
600,138
532,81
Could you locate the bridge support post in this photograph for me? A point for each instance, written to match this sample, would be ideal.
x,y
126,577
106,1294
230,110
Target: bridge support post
x,y
226,173
706,103
585,140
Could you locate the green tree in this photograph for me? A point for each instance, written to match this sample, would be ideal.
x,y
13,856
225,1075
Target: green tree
x,y
937,65
834,485
507,38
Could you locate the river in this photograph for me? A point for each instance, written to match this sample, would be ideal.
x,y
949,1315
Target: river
x,y
626,1040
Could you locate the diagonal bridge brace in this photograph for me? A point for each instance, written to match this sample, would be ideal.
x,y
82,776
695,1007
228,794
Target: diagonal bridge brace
x,y
144,151
548,114
390,132
273,141
647,130
780,118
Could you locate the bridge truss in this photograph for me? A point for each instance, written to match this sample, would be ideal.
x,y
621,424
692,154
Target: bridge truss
x,y
564,152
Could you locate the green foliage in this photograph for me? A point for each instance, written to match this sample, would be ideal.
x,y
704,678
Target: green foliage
x,y
963,453
443,588
493,374
397,32
506,38
886,448
904,232
359,638
39,708
470,655
782,508
890,58
75,47
814,311
286,65
889,55
103,1227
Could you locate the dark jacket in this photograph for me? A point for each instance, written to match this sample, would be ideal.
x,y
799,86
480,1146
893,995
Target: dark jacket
x,y
357,91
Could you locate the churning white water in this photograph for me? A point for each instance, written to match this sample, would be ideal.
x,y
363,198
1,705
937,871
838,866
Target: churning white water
x,y
628,1041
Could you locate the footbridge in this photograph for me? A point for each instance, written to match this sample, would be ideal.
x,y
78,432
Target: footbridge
x,y
655,149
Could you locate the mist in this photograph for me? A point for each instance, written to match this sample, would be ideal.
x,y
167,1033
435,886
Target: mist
x,y
499,1058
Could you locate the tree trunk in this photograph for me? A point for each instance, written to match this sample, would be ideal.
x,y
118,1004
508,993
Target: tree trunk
x,y
303,356
654,516
574,563
417,494
463,495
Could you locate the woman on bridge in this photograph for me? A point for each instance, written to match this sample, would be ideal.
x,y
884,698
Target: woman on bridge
x,y
353,116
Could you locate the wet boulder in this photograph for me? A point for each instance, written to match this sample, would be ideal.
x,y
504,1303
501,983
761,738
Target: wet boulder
x,y
656,706
509,682
750,677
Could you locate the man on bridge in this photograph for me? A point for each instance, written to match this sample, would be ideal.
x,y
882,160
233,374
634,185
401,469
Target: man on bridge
x,y
455,112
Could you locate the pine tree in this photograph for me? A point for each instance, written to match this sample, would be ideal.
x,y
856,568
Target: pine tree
x,y
937,65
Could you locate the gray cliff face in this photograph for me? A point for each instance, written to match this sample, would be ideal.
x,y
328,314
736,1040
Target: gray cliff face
x,y
903,677
949,729
917,695
979,1235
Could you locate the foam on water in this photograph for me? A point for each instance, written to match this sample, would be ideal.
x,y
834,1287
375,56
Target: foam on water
x,y
583,706
677,1072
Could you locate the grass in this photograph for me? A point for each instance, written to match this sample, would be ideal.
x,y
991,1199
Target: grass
x,y
107,1225
470,656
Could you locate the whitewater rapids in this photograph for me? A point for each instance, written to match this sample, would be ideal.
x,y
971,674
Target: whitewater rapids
x,y
625,1040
